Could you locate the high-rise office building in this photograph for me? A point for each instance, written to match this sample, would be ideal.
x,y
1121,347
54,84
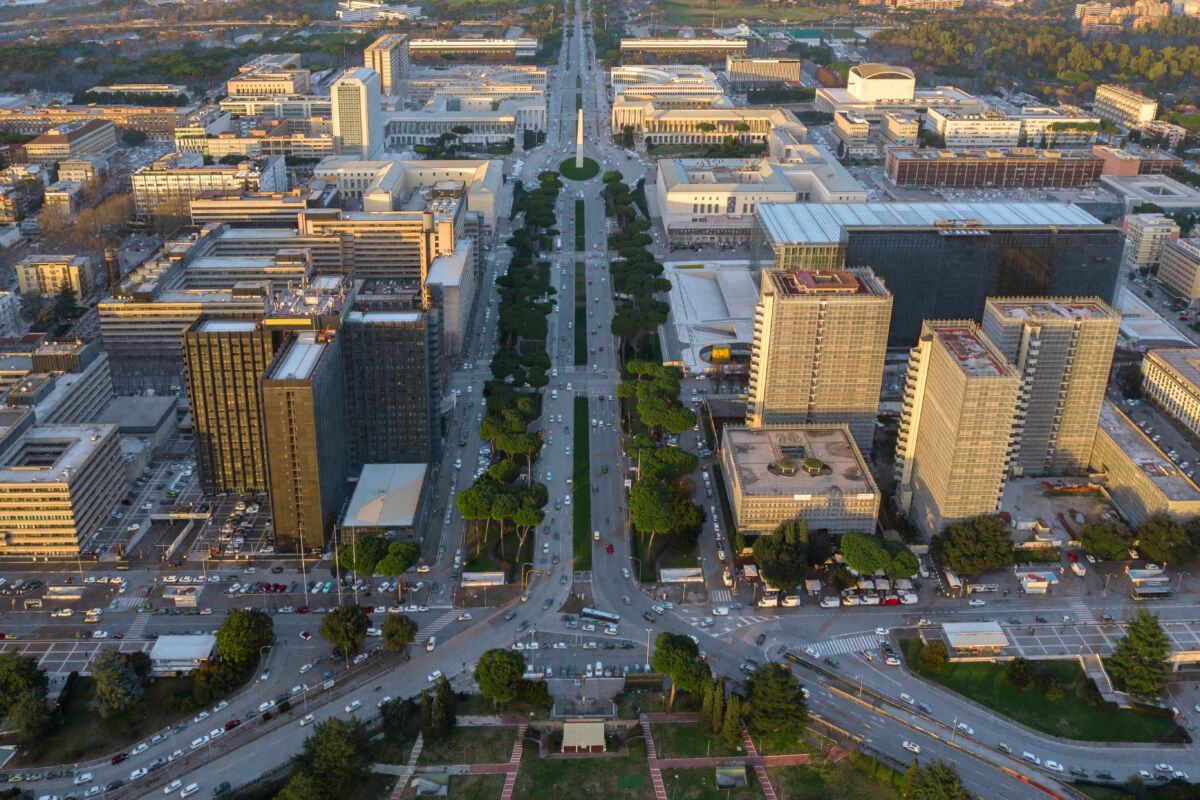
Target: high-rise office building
x,y
304,420
943,260
356,101
224,360
820,338
960,400
1063,348
392,385
388,55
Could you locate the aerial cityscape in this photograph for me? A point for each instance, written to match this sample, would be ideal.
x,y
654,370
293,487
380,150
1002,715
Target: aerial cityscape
x,y
831,373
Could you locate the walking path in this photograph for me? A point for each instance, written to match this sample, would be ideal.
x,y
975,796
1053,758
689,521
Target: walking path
x,y
409,768
759,769
514,763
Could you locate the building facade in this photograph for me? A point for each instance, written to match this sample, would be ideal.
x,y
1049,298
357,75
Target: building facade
x,y
58,486
1019,168
170,183
304,416
388,55
47,274
225,361
1124,107
819,343
1063,348
688,51
761,73
1140,479
472,49
72,140
960,401
356,101
1179,268
1171,378
1147,236
813,473
943,260
985,129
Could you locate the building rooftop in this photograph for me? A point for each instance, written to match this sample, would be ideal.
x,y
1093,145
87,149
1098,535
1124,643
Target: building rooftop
x,y
818,223
929,154
1185,361
828,281
966,635
1162,472
756,452
1052,308
52,453
448,268
975,356
386,496
300,358
138,415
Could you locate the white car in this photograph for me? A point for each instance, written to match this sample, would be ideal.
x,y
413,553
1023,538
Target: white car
x,y
173,786
434,676
220,705
138,773
386,699
203,715
1054,765
265,706
307,719
881,631
720,611
305,668
354,706
80,780
976,603
912,747
199,742
141,748
967,729
812,652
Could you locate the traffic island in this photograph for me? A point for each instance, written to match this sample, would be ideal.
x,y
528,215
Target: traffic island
x,y
589,170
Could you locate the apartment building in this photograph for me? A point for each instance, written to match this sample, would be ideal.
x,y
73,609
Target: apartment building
x,y
269,81
901,128
960,401
814,473
1063,349
69,383
72,140
58,485
388,55
46,274
819,343
171,182
1147,236
851,130
1124,107
157,123
1179,268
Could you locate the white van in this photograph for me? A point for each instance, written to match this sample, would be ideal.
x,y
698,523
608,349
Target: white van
x,y
189,790
554,394
432,643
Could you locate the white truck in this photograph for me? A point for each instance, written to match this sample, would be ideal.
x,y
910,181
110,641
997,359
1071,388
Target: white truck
x,y
1078,568
829,602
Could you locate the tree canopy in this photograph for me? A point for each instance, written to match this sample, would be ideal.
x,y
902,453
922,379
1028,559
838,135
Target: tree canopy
x,y
345,628
1138,663
678,656
974,546
243,634
782,556
399,630
1106,540
775,702
120,678
337,756
499,673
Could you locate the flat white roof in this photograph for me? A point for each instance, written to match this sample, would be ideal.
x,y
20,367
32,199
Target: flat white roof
x,y
227,325
386,496
815,223
974,634
196,647
301,358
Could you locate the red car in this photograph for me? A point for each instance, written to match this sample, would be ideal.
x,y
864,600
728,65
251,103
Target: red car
x,y
119,757
233,723
368,609
302,610
608,549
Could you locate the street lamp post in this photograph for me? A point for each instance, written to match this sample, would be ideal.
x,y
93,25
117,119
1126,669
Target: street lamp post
x,y
648,645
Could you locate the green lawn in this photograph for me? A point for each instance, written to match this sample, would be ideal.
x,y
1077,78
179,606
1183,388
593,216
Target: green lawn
x,y
688,740
627,778
841,781
84,734
470,745
580,227
582,518
1071,717
701,784
581,348
590,169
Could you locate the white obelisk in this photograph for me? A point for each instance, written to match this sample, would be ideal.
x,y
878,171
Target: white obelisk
x,y
579,141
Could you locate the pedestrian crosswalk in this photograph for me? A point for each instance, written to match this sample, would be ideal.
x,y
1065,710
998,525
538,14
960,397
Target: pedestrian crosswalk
x,y
721,596
127,601
138,626
848,644
432,628
1082,612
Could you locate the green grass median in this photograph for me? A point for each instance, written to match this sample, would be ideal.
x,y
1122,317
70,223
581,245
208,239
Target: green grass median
x,y
581,539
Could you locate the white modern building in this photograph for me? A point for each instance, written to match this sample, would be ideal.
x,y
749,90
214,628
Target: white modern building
x,y
356,101
874,89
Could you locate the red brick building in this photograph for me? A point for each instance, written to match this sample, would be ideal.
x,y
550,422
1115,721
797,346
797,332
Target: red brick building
x,y
970,169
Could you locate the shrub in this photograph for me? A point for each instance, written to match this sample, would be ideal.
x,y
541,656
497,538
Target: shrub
x,y
1019,673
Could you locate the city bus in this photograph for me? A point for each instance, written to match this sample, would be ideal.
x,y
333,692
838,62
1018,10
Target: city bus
x,y
602,616
1150,592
